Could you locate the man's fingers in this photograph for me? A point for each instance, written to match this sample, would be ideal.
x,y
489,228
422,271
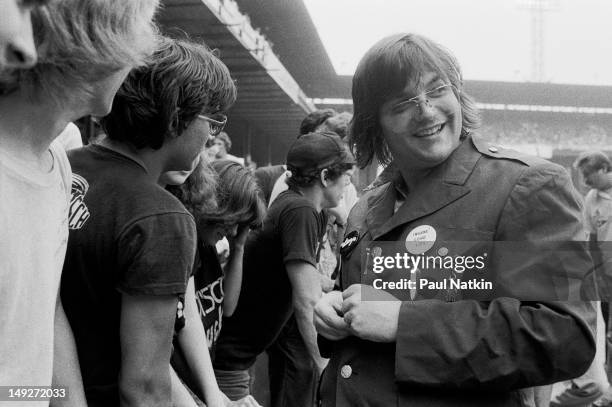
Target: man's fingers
x,y
350,303
333,320
351,291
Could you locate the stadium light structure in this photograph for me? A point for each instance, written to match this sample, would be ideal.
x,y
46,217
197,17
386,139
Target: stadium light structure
x,y
537,9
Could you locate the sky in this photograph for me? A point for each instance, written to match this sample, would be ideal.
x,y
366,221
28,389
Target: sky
x,y
492,39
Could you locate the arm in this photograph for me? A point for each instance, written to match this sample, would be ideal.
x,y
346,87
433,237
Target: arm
x,y
507,343
66,371
306,287
192,340
232,280
180,395
146,329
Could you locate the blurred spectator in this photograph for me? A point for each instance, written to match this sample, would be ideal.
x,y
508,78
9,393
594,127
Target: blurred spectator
x,y
85,50
315,119
266,178
224,145
593,386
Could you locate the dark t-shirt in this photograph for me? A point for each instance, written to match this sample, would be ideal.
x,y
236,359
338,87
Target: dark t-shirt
x,y
292,230
127,235
209,293
208,283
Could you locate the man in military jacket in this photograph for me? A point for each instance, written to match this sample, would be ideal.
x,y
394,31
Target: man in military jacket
x,y
444,185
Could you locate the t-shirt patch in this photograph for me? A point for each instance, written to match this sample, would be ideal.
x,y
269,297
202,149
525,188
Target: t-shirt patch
x,y
208,281
78,213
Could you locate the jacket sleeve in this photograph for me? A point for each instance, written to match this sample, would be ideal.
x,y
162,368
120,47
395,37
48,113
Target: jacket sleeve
x,y
509,343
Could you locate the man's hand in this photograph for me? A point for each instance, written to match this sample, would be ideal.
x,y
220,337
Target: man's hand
x,y
374,319
327,284
328,317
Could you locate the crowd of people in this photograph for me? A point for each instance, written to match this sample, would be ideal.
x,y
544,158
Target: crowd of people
x,y
115,289
569,136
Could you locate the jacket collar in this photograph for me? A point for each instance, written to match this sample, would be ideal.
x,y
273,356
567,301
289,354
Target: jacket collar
x,y
444,185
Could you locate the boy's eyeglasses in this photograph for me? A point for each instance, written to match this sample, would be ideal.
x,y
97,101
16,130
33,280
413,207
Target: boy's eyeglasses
x,y
216,125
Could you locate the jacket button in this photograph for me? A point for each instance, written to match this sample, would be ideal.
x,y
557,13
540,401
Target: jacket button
x,y
346,371
493,149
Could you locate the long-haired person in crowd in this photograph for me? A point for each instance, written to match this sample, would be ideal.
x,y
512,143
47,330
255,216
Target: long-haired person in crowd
x,y
85,50
213,292
132,243
17,49
443,184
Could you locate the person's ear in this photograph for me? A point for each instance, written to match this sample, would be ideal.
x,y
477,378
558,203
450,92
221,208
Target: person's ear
x,y
173,128
323,177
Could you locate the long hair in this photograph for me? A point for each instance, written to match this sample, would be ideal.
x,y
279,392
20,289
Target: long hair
x,y
81,41
385,70
198,192
238,196
221,192
315,119
161,99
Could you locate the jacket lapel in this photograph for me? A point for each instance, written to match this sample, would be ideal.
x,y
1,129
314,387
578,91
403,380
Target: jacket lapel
x,y
443,186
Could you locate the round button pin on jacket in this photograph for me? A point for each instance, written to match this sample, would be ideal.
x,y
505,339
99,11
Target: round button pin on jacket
x,y
346,371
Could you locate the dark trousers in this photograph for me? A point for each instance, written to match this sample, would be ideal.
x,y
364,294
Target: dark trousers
x,y
292,373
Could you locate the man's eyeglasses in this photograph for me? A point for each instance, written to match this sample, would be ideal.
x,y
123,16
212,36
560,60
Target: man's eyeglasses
x,y
216,125
425,97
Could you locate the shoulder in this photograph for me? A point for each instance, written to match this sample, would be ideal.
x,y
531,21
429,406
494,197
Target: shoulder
x,y
495,151
289,201
370,196
61,160
155,200
70,137
79,153
517,168
175,226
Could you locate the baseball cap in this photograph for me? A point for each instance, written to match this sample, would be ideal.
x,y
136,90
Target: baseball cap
x,y
316,151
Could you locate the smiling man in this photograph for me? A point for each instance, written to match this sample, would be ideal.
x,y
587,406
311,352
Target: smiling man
x,y
444,184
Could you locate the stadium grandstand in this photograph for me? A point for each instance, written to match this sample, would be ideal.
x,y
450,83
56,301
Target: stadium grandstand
x,y
283,72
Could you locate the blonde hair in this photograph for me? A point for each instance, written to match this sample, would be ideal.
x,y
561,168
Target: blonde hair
x,y
82,41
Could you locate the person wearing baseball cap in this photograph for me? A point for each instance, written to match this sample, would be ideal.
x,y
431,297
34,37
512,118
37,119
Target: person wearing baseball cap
x,y
280,266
